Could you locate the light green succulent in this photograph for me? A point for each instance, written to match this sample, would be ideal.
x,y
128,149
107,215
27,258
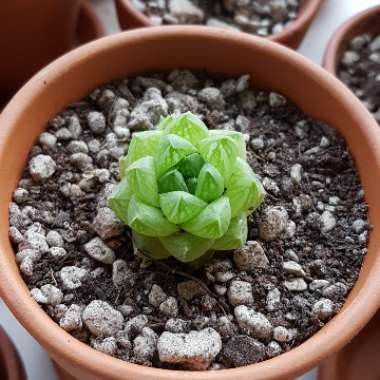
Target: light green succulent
x,y
185,190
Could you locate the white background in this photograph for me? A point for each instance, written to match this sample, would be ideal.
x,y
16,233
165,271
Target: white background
x,y
333,14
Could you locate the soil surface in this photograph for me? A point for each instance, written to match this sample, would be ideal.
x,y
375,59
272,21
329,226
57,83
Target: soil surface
x,y
359,69
263,17
304,253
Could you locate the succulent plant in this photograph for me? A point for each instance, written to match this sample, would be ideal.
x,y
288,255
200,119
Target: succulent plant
x,y
185,190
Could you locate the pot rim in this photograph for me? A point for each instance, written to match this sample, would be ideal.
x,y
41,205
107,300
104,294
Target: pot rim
x,y
331,337
308,11
339,39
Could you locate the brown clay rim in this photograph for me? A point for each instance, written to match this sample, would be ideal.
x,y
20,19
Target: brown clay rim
x,y
70,76
366,21
309,10
10,364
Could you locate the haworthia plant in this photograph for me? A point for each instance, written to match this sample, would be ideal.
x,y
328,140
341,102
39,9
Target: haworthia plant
x,y
186,190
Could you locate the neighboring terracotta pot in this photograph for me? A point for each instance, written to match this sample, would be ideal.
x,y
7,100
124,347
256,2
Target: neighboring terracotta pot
x,y
292,36
271,66
364,22
359,359
89,26
34,32
11,367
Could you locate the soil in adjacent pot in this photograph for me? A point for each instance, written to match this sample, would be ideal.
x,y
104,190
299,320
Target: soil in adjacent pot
x,y
263,17
359,69
304,253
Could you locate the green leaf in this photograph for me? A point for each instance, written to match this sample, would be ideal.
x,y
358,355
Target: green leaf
x,y
210,183
142,180
235,237
212,222
202,260
179,206
123,165
236,136
150,246
171,150
165,122
148,220
244,190
119,200
220,151
142,144
172,181
186,247
191,165
192,184
188,126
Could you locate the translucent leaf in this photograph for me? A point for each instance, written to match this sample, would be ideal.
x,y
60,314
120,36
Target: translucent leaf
x,y
150,246
171,150
179,206
210,184
212,222
142,144
165,122
236,136
191,165
148,220
172,181
244,190
192,184
142,180
202,260
235,237
123,165
220,151
119,200
188,126
186,247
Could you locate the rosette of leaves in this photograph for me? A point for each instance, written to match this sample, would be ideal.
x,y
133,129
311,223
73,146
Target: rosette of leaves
x,y
186,190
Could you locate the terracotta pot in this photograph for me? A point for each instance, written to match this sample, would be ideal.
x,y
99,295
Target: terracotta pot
x,y
292,36
89,26
364,22
34,32
359,359
271,66
11,367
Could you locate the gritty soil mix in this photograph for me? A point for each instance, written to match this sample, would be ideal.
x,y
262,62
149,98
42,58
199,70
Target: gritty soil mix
x,y
359,69
304,252
264,17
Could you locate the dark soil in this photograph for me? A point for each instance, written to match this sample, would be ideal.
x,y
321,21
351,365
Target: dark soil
x,y
326,230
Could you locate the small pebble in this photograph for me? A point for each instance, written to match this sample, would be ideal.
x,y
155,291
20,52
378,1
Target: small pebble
x,y
240,293
256,324
323,309
96,122
295,285
250,256
98,250
169,307
73,277
102,319
42,167
194,351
